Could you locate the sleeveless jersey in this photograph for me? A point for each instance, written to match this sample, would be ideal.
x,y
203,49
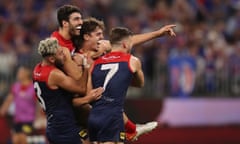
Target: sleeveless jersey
x,y
57,104
113,73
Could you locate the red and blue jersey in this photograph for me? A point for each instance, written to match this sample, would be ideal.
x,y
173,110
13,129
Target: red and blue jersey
x,y
112,72
57,104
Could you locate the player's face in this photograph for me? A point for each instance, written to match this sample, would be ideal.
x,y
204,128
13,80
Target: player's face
x,y
93,39
75,23
97,33
59,58
95,36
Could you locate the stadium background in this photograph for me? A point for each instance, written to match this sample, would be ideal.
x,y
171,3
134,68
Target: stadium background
x,y
199,69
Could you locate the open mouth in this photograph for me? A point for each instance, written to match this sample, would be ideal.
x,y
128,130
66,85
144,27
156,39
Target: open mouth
x,y
78,27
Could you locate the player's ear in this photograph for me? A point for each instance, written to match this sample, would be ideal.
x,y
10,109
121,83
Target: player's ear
x,y
86,37
64,23
51,59
124,45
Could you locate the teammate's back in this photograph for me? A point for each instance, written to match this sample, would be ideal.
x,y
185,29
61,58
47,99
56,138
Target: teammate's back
x,y
112,71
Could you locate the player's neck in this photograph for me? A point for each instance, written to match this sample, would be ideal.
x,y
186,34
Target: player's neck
x,y
46,63
87,46
84,48
118,49
65,34
86,51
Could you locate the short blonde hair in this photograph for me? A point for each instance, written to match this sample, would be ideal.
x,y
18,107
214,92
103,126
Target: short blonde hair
x,y
48,47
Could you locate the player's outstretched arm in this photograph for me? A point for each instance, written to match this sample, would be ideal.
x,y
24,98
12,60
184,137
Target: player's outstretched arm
x,y
138,76
165,30
105,46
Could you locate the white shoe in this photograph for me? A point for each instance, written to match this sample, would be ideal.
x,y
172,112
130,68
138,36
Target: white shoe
x,y
145,128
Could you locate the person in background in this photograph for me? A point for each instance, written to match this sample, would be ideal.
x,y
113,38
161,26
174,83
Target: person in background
x,y
23,96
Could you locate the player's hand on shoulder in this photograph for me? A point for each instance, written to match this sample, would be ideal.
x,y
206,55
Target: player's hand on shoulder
x,y
104,45
95,94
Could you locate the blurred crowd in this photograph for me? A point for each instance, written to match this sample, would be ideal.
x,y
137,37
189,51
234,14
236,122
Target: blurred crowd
x,y
203,60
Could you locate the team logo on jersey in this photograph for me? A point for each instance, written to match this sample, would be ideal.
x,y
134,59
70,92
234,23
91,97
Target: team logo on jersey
x,y
122,135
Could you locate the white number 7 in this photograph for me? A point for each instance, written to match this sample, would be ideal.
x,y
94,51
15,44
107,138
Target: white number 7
x,y
113,68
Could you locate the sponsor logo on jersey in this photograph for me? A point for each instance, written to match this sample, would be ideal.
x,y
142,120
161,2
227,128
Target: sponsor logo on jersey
x,y
110,57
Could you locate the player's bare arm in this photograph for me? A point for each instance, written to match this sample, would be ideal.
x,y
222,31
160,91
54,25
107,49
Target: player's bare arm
x,y
92,95
57,79
138,76
90,89
78,59
105,45
89,83
83,79
82,64
70,67
165,30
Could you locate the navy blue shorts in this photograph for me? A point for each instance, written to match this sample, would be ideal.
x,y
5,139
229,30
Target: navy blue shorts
x,y
23,127
74,140
73,137
106,127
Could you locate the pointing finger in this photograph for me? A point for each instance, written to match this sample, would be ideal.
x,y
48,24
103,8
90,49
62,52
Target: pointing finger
x,y
171,26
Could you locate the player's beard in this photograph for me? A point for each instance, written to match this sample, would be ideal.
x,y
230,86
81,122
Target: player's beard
x,y
73,31
59,64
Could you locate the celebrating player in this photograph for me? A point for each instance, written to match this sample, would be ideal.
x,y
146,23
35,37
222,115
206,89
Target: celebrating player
x,y
114,71
70,20
70,25
54,90
88,44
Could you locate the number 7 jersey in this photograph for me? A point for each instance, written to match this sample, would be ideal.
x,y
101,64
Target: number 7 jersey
x,y
112,72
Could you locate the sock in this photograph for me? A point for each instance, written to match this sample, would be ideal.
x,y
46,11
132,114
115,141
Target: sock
x,y
130,127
